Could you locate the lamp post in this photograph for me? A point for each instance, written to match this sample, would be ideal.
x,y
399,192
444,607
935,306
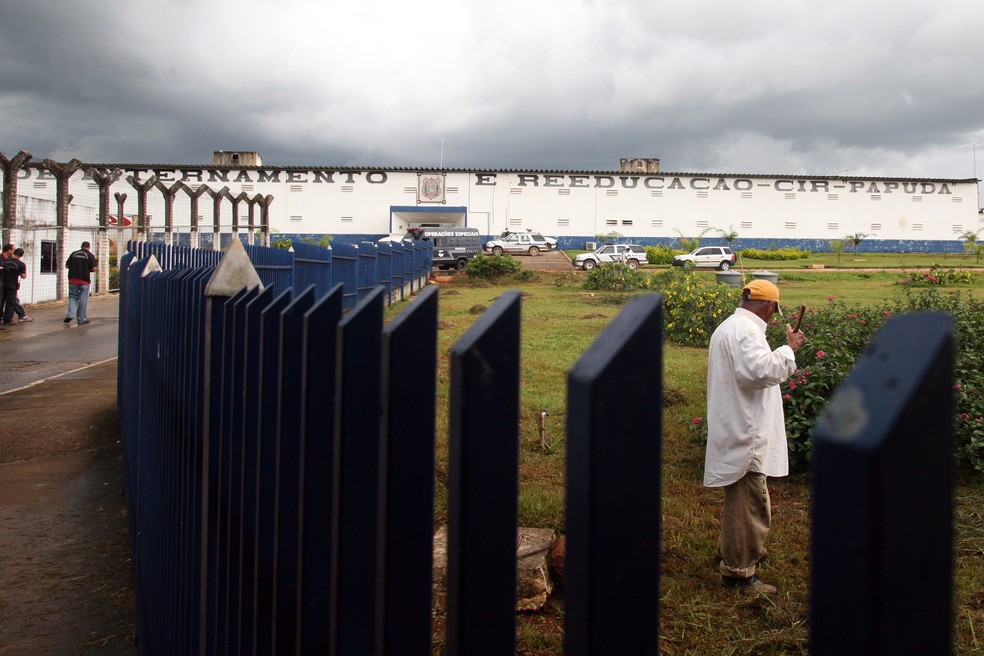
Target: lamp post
x,y
974,146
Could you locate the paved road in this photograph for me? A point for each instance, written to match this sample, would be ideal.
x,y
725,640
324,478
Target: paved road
x,y
47,347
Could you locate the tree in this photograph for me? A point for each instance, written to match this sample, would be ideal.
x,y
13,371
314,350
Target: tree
x,y
837,246
731,236
969,238
856,239
688,244
323,241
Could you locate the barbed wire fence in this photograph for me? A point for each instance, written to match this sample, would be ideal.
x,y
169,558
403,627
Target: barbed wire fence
x,y
49,208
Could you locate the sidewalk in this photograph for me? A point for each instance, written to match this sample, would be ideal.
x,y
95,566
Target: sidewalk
x,y
64,555
47,346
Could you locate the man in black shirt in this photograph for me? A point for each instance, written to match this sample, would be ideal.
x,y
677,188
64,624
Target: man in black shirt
x,y
80,265
13,271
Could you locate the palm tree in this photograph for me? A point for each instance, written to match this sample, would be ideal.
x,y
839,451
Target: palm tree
x,y
731,236
837,246
969,238
856,239
688,244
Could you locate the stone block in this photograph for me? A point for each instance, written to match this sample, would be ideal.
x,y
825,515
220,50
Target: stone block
x,y
533,579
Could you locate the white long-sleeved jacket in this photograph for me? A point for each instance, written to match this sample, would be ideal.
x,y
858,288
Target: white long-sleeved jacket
x,y
746,430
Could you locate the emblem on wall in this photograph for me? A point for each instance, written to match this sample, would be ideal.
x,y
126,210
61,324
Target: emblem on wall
x,y
430,188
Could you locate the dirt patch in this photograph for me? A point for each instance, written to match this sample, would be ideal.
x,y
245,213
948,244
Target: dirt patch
x,y
64,556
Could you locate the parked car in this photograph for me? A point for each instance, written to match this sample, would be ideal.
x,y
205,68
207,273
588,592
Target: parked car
x,y
551,241
631,254
707,257
532,243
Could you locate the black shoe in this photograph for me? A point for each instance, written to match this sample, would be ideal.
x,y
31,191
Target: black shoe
x,y
67,320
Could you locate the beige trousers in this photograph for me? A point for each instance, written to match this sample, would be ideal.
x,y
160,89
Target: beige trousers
x,y
745,525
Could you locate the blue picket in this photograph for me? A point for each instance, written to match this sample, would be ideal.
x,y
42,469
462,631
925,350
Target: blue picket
x,y
356,491
883,484
483,483
614,437
406,508
317,468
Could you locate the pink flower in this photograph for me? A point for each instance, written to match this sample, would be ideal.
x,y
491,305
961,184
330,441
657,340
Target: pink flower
x,y
830,298
821,354
964,416
697,421
792,385
789,396
863,322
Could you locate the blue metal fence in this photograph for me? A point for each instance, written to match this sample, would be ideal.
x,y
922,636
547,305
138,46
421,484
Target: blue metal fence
x,y
279,462
401,267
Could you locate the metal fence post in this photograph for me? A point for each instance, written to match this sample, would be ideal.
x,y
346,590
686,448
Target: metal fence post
x,y
614,451
483,483
233,274
883,482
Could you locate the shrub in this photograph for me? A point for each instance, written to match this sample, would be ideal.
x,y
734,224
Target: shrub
x,y
492,267
837,337
691,309
775,254
936,276
660,254
569,279
527,276
614,277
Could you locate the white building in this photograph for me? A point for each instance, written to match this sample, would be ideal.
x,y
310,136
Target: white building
x,y
638,203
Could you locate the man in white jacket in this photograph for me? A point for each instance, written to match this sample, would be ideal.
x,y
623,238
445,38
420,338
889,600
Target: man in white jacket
x,y
746,429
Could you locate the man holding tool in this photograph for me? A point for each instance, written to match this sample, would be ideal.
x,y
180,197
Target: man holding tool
x,y
746,431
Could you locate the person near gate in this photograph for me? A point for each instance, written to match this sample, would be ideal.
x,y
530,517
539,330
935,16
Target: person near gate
x,y
81,264
746,431
14,270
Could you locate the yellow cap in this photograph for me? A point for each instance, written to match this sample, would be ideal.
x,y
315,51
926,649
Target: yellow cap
x,y
761,290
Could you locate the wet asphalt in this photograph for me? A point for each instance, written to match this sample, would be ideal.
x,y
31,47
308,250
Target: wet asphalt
x,y
47,347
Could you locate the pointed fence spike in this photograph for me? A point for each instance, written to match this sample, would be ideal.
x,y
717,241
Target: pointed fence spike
x,y
235,271
152,266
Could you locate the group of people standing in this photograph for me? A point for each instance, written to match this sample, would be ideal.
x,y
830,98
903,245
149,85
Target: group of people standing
x,y
14,270
80,264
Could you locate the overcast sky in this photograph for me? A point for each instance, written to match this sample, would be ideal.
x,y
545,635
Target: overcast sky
x,y
890,88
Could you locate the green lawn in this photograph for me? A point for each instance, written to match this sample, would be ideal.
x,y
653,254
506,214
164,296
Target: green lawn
x,y
698,616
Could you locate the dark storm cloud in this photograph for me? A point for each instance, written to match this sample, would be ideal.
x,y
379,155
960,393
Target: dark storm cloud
x,y
882,88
